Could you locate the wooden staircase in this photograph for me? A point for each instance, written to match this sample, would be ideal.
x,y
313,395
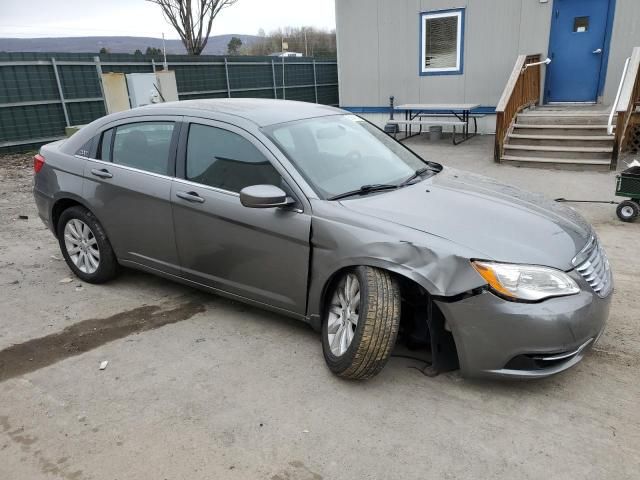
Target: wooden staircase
x,y
560,137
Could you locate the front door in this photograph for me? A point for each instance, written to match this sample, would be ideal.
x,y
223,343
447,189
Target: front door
x,y
577,50
259,254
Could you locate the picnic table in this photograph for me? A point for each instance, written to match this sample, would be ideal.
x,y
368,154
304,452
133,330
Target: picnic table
x,y
418,114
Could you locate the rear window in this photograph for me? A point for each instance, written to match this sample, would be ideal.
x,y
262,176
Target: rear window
x,y
104,149
144,145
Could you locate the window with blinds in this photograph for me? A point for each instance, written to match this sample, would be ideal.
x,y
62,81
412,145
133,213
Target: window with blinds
x,y
441,49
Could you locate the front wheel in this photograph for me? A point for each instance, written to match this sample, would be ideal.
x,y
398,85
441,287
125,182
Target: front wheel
x,y
360,323
627,211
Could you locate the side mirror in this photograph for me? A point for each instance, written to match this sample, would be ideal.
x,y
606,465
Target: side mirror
x,y
264,196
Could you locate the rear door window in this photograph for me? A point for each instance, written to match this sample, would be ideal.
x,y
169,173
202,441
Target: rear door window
x,y
144,145
223,159
104,149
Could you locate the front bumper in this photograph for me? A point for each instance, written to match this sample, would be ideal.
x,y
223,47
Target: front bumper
x,y
498,338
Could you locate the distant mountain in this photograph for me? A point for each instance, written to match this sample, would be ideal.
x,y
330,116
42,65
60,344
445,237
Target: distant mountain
x,y
217,45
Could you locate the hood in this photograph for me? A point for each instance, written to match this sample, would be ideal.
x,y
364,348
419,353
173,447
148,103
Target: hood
x,y
504,223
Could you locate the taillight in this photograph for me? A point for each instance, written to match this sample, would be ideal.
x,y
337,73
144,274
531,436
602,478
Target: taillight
x,y
38,163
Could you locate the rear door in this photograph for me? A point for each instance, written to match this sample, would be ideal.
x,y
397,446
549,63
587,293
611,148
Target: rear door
x,y
259,254
128,187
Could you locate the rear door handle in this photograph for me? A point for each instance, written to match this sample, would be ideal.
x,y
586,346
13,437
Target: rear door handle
x,y
598,51
190,197
102,173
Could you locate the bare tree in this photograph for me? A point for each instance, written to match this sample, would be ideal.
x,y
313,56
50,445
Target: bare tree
x,y
192,19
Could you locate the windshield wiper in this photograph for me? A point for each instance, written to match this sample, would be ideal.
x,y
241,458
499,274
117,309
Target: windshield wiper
x,y
416,174
365,189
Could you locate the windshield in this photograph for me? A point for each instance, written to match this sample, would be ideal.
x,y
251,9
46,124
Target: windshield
x,y
342,153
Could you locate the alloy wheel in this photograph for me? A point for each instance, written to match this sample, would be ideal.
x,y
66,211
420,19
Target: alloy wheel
x,y
344,311
82,246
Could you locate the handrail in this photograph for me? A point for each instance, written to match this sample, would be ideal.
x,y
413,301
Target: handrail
x,y
511,83
626,105
522,91
546,61
614,108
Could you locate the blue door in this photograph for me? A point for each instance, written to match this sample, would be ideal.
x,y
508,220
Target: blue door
x,y
576,49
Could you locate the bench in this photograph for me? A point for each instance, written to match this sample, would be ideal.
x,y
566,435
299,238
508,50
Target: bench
x,y
474,116
423,114
421,123
426,122
471,115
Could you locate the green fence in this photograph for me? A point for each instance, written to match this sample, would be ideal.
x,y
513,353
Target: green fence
x,y
42,93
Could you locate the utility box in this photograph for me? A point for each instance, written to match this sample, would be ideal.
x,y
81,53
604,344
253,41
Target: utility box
x,y
122,92
167,85
116,97
143,89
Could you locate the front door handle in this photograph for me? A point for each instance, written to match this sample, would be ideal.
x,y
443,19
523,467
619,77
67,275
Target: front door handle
x,y
102,173
190,197
598,51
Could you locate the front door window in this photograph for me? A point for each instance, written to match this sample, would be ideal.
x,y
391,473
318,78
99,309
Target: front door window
x,y
223,159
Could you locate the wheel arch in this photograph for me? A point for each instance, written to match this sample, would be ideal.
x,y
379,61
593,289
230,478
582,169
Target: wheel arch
x,y
63,202
396,270
444,350
59,205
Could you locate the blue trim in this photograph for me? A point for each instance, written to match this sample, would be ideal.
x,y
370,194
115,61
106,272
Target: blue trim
x,y
421,15
485,110
367,109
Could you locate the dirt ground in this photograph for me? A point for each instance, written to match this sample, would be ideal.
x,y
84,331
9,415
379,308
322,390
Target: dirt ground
x,y
199,387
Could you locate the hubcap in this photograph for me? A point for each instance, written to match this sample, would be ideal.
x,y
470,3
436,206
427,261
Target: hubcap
x,y
344,311
82,246
627,211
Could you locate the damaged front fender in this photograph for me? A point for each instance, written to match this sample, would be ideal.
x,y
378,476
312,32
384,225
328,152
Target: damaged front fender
x,y
342,239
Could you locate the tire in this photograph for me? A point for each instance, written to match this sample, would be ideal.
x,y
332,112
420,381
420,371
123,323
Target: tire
x,y
627,211
372,336
81,247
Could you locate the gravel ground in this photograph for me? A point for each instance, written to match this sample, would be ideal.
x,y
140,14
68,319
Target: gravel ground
x,y
200,387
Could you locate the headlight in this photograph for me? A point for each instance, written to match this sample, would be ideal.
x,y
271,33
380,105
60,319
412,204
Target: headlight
x,y
526,282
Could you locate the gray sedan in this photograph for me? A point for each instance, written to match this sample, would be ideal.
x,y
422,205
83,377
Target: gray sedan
x,y
315,213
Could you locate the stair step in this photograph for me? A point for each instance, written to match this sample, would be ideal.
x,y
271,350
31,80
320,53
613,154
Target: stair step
x,y
562,118
545,148
576,161
568,129
560,151
560,140
604,138
562,127
568,113
560,163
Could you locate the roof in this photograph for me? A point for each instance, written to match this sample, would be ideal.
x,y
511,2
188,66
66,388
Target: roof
x,y
260,111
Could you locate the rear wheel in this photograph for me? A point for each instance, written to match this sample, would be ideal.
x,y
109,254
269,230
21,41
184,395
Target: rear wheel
x,y
628,211
361,322
85,246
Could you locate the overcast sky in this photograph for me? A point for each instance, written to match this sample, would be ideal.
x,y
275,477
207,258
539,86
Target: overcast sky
x,y
72,18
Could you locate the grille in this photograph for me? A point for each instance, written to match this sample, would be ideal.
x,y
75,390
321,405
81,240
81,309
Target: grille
x,y
592,263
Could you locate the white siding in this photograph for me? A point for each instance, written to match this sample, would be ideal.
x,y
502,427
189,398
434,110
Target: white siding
x,y
378,48
626,35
